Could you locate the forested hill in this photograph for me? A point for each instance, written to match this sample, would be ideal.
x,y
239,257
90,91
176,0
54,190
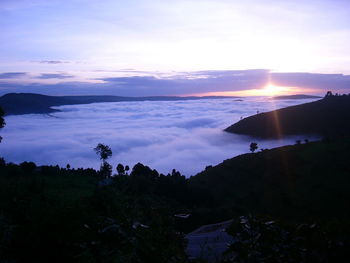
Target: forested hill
x,y
309,180
295,97
54,214
329,116
25,103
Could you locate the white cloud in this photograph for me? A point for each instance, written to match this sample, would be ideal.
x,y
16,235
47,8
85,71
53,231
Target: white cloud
x,y
185,135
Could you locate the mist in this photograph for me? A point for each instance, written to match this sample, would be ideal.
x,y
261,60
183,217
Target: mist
x,y
184,135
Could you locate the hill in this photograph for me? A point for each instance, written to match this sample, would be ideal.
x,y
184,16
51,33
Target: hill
x,y
295,97
26,103
301,181
329,116
58,214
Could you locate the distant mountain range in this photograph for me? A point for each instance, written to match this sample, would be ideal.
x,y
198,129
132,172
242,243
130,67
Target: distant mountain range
x,y
327,117
26,103
295,97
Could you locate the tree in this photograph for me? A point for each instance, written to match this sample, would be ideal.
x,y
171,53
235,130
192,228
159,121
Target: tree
x,y
253,147
329,94
28,167
104,151
120,169
106,170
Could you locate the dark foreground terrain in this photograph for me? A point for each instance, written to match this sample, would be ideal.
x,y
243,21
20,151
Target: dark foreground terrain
x,y
54,214
329,116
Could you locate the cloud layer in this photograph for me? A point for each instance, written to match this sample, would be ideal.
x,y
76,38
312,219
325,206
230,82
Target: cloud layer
x,y
185,135
176,83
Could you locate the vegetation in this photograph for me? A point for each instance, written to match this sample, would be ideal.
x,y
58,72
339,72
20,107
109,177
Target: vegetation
x,y
53,214
261,239
58,214
253,147
327,117
104,151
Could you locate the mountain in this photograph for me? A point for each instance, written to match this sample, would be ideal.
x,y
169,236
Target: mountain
x,y
329,116
295,97
25,103
309,180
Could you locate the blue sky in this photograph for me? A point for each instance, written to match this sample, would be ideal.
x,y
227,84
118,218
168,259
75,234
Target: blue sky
x,y
76,41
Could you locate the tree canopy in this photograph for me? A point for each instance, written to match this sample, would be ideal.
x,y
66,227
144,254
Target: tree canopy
x,y
104,151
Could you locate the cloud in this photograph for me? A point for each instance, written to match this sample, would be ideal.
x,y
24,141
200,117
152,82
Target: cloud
x,y
53,62
55,76
193,82
12,75
180,83
321,82
185,135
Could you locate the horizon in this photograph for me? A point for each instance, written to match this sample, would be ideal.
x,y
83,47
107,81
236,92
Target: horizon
x,y
175,96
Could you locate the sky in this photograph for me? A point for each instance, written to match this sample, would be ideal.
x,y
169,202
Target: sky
x,y
184,135
161,47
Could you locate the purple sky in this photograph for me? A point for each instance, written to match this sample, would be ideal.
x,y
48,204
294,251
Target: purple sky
x,y
144,47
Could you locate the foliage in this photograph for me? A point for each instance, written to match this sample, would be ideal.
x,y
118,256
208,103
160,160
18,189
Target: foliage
x,y
104,151
58,214
120,169
291,182
325,117
253,147
261,239
54,214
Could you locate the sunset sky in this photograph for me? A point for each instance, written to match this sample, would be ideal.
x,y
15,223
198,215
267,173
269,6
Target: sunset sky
x,y
160,47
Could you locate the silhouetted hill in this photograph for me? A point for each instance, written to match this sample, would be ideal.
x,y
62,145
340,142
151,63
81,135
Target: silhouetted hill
x,y
295,97
328,117
58,214
25,103
302,181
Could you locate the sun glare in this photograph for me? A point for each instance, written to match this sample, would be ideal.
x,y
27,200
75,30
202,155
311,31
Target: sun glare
x,y
270,90
273,90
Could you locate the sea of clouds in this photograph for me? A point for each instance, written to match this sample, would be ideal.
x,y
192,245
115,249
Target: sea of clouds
x,y
186,135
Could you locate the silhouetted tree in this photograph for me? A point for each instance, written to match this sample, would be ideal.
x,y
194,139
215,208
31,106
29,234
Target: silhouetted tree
x,y
104,151
329,94
105,170
28,167
120,169
175,173
253,147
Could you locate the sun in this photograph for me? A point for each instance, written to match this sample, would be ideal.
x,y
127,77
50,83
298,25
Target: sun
x,y
269,90
274,90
